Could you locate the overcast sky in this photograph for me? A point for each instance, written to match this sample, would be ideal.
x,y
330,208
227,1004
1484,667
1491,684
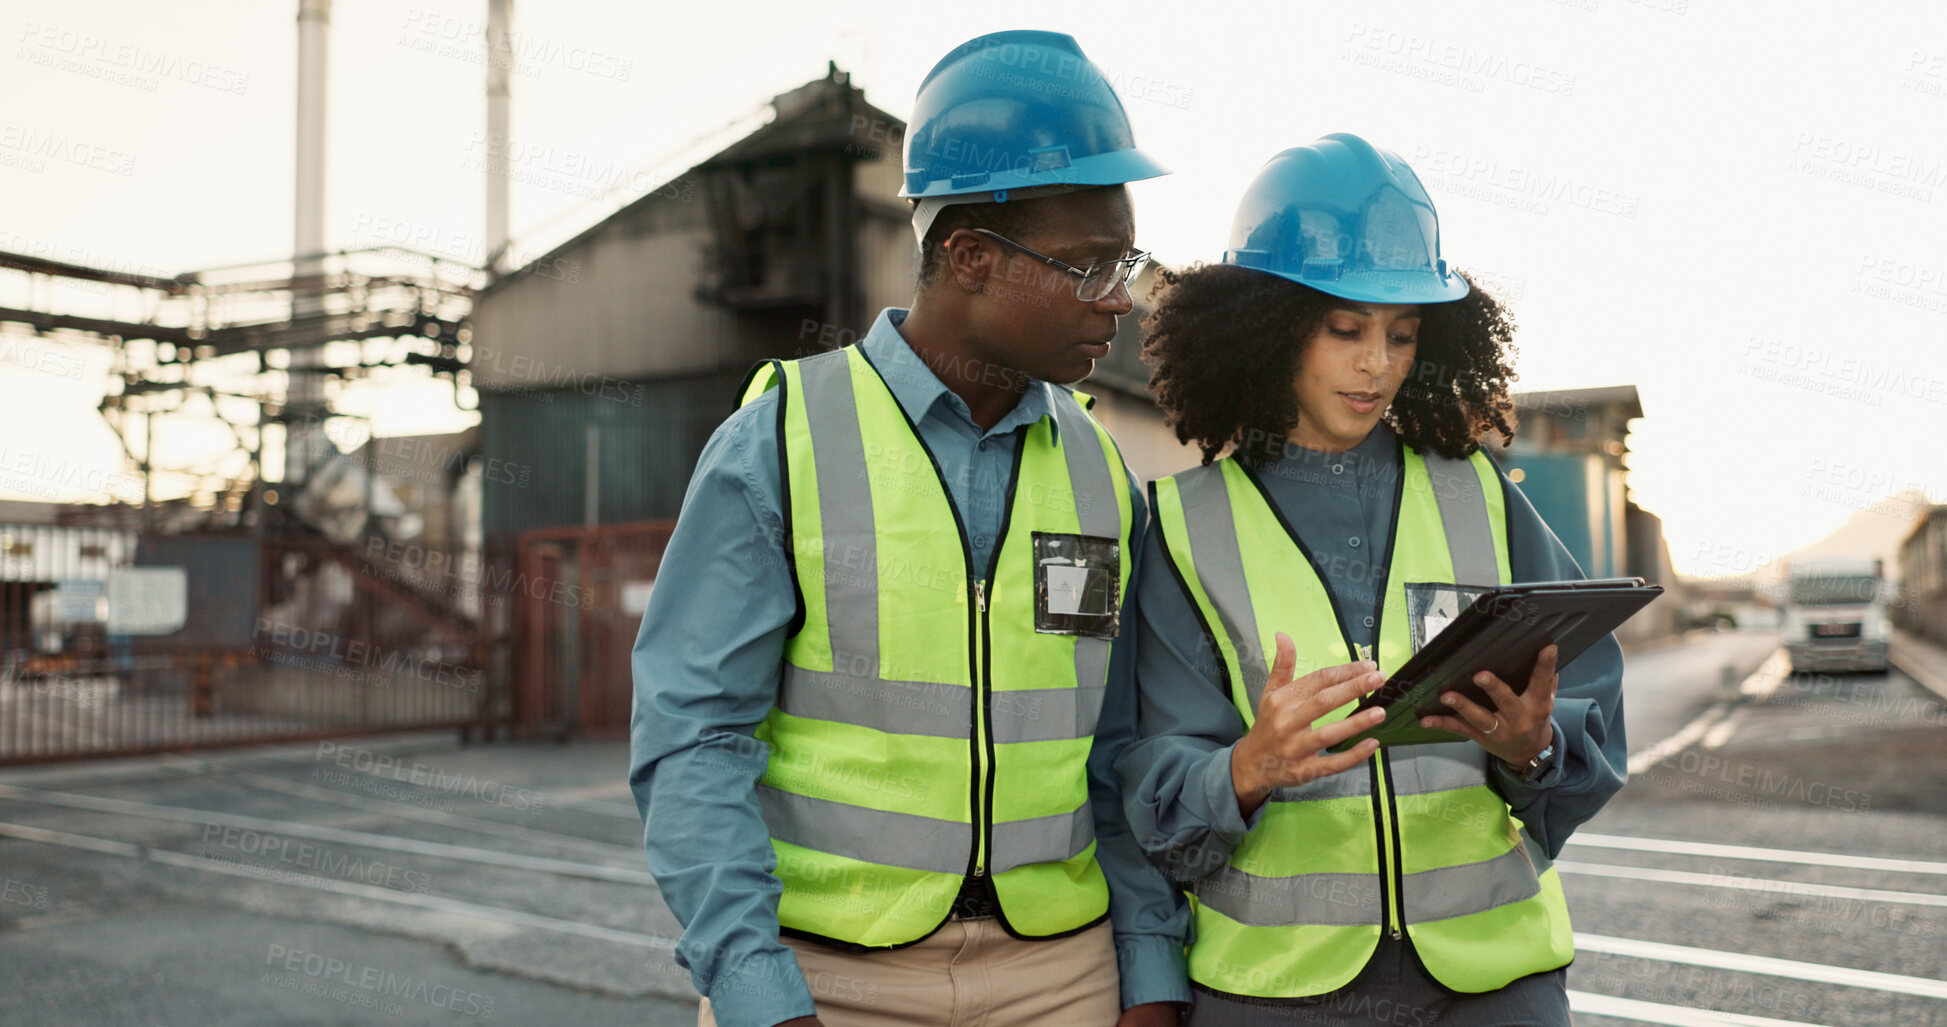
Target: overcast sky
x,y
1738,210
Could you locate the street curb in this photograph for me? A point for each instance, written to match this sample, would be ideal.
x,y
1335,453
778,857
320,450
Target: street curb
x,y
1902,660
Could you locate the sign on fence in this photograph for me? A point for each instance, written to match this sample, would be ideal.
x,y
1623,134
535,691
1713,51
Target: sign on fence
x,y
147,601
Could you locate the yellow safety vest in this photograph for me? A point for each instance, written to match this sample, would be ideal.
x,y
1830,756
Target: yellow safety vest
x,y
934,720
1417,840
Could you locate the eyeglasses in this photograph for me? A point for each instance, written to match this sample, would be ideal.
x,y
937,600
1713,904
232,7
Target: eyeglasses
x,y
1092,283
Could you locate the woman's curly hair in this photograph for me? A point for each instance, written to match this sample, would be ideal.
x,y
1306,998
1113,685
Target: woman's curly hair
x,y
1224,342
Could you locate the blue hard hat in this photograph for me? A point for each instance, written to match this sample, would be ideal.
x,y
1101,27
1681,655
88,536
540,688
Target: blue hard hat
x,y
1348,219
1012,110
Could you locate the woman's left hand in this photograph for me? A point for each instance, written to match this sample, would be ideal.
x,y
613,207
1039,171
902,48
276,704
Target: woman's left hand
x,y
1519,727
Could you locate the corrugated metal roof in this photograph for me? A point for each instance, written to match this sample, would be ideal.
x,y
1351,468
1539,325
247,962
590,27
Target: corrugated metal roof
x,y
820,111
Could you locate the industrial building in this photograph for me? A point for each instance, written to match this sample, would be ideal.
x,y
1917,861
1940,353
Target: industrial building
x,y
493,580
1922,608
1567,456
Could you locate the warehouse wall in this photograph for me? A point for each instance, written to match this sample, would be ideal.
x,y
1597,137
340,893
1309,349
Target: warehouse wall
x,y
648,440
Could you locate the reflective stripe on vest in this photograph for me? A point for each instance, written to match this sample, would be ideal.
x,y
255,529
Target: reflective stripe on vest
x,y
1301,904
891,776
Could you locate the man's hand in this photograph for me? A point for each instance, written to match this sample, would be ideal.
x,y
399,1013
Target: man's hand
x,y
1283,748
1519,727
1151,1014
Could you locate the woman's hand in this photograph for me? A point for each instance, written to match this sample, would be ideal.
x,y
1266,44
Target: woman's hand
x,y
1283,748
1519,727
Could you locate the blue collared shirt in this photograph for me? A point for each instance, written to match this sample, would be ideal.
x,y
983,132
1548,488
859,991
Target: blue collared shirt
x,y
1176,779
707,662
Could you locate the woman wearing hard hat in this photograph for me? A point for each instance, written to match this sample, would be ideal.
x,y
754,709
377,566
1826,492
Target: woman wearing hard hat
x,y
1349,375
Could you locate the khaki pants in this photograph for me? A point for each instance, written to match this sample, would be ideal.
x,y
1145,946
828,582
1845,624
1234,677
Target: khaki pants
x,y
970,973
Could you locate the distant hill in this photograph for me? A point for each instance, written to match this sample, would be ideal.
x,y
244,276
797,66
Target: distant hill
x,y
1875,531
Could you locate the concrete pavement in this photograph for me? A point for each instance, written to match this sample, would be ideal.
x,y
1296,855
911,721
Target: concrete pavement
x,y
410,879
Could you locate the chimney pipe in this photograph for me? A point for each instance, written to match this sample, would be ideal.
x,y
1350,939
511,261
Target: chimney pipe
x,y
500,70
313,29
304,440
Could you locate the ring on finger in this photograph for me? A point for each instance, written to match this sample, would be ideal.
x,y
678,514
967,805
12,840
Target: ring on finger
x,y
1497,724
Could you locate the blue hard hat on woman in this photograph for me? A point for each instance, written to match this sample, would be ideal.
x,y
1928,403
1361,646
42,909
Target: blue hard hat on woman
x,y
1348,219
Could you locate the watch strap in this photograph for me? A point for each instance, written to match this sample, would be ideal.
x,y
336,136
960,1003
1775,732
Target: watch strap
x,y
1533,768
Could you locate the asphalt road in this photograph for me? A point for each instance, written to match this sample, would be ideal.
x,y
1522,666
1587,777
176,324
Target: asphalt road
x,y
397,882
1788,864
1665,688
413,881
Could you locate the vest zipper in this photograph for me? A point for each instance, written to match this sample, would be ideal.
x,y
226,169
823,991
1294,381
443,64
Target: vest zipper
x,y
1383,761
982,742
1380,801
1396,894
984,678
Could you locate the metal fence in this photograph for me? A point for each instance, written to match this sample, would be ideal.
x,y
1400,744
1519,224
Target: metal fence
x,y
114,644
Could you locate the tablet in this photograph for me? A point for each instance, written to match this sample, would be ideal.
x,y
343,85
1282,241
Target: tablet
x,y
1502,630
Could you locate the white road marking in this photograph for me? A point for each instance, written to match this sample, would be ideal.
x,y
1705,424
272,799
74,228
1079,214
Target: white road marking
x,y
1783,888
1674,1016
331,834
403,810
1759,686
1647,758
1741,963
1770,674
1817,859
625,811
73,841
352,888
1722,731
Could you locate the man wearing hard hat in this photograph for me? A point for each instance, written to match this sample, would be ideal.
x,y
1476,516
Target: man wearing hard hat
x,y
875,729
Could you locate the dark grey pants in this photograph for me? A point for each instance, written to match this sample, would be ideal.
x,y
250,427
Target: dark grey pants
x,y
1393,991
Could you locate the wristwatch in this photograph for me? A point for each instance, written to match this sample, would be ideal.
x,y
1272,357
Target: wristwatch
x,y
1532,769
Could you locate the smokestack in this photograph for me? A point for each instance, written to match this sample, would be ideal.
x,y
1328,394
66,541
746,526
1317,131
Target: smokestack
x,y
304,396
500,71
313,26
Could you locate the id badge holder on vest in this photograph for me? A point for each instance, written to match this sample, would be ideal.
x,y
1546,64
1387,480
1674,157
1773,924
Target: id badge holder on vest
x,y
1076,584
1432,605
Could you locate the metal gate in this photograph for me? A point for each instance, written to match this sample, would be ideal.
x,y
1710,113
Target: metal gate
x,y
113,643
584,590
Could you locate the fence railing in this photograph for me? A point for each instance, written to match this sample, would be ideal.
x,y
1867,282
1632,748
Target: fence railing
x,y
272,641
